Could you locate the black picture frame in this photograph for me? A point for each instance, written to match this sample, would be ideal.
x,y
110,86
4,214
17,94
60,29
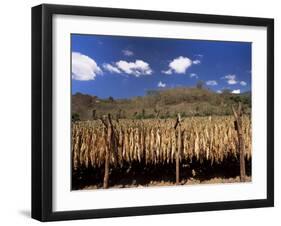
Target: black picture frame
x,y
42,111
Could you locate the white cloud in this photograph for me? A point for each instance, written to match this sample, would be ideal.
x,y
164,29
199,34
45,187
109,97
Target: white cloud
x,y
127,52
83,67
231,79
196,62
243,83
136,68
161,84
232,82
111,68
179,65
219,91
211,83
236,91
168,72
193,75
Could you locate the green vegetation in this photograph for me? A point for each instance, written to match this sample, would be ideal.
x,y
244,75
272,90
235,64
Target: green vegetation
x,y
162,104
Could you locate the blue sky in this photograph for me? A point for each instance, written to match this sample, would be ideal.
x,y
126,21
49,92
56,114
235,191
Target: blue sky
x,y
124,67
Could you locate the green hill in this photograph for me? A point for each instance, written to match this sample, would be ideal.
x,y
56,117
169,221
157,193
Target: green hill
x,y
164,103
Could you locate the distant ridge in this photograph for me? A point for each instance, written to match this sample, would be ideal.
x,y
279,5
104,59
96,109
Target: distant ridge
x,y
164,103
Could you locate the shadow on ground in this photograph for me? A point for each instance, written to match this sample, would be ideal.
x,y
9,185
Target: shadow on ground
x,y
25,213
138,174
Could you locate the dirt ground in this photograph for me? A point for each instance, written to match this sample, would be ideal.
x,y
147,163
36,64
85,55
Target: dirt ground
x,y
190,181
137,175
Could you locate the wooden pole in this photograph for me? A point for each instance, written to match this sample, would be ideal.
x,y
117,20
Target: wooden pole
x,y
113,144
238,126
108,127
106,169
111,148
178,128
107,158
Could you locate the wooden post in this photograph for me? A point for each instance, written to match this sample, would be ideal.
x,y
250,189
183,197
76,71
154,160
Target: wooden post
x,y
178,130
106,168
109,129
107,157
238,127
94,114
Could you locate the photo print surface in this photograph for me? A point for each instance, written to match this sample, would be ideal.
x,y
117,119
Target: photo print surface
x,y
159,112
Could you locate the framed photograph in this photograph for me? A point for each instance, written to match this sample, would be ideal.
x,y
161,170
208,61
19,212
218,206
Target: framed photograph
x,y
146,112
